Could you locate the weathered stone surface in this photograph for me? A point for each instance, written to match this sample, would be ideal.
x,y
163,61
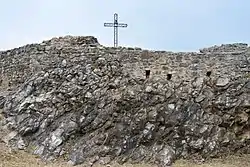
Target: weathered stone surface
x,y
83,101
222,81
236,47
2,100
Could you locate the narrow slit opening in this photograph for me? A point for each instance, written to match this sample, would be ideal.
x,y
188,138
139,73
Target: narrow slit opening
x,y
209,73
147,73
169,76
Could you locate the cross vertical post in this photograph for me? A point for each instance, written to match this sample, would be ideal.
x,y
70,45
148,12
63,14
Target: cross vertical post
x,y
115,30
115,25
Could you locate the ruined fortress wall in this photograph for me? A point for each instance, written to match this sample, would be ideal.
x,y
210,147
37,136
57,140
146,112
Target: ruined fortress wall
x,y
19,64
98,102
232,61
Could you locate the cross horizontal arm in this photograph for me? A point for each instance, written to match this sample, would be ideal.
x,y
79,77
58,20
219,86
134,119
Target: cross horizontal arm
x,y
109,24
122,25
115,25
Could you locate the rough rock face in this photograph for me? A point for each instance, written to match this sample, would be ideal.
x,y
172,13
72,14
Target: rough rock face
x,y
2,100
88,109
236,47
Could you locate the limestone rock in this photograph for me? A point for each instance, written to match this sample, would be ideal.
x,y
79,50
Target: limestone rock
x,y
2,100
222,81
226,48
96,105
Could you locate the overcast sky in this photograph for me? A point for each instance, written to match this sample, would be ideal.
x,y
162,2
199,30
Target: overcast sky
x,y
177,25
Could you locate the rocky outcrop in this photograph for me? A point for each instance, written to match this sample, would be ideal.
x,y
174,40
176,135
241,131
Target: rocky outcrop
x,y
236,47
89,109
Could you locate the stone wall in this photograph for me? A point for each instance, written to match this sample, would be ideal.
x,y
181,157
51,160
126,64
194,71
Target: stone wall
x,y
231,60
186,66
74,98
21,63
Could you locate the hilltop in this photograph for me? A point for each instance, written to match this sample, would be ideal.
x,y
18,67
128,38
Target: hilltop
x,y
72,98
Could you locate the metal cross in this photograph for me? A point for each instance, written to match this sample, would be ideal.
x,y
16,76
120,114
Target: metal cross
x,y
115,25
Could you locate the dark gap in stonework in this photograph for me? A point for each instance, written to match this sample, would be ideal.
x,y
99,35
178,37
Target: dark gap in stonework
x,y
147,73
209,73
169,76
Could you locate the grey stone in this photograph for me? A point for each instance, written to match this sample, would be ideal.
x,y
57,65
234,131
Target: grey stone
x,y
171,106
55,140
10,136
20,144
2,100
92,102
64,63
198,144
88,95
200,98
166,156
148,89
39,150
222,81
